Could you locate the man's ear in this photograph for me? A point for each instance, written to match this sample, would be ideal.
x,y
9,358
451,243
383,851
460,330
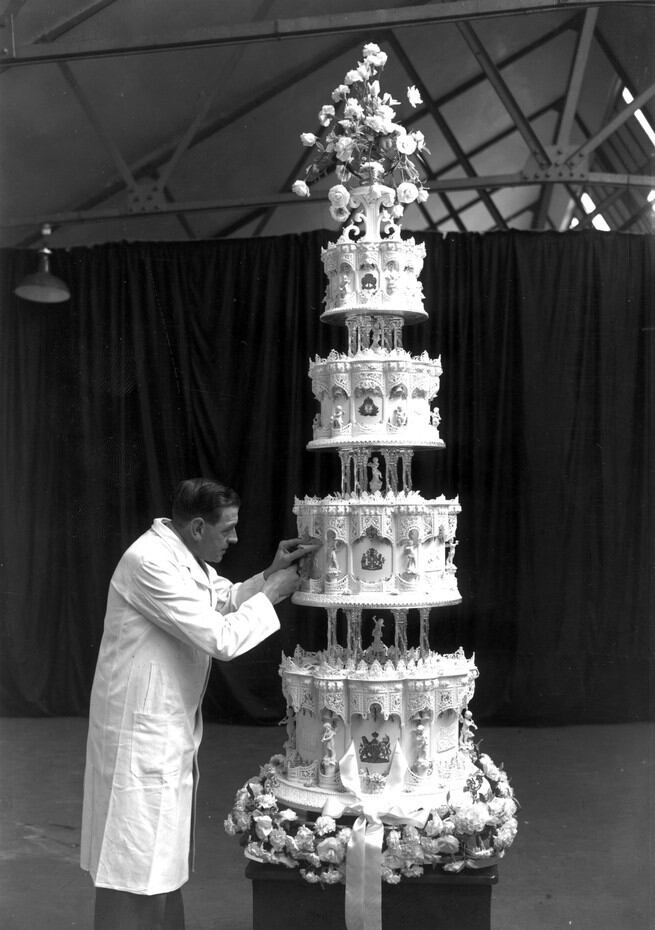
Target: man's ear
x,y
197,526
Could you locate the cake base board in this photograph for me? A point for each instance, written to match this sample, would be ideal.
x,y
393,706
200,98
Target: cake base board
x,y
376,441
340,314
374,599
314,797
438,900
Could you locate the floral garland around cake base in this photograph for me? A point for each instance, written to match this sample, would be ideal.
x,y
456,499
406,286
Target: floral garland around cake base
x,y
456,836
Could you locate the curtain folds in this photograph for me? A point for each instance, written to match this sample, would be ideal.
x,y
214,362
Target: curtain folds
x,y
179,359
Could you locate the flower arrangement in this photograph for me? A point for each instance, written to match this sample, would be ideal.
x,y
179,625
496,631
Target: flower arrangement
x,y
474,834
364,143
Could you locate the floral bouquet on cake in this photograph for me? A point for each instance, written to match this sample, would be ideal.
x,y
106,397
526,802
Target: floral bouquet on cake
x,y
362,142
472,832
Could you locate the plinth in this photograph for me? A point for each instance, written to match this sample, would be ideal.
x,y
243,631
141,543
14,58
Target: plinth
x,y
437,901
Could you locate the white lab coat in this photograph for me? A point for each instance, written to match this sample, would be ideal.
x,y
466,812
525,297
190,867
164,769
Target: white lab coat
x,y
166,617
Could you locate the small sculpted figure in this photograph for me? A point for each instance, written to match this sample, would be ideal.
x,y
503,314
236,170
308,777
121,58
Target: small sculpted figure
x,y
375,484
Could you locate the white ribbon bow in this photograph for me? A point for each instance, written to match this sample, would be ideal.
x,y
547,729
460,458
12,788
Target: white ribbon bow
x,y
364,854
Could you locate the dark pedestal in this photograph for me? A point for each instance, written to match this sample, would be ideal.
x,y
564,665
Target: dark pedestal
x,y
438,901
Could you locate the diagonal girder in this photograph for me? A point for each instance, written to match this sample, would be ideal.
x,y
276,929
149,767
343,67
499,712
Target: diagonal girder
x,y
534,144
361,23
444,128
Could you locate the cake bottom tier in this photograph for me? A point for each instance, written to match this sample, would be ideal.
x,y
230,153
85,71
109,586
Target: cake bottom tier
x,y
466,823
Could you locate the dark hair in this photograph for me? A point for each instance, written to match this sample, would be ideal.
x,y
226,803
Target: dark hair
x,y
201,497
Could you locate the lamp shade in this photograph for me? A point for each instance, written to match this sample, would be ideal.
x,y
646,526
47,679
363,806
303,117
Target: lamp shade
x,y
42,286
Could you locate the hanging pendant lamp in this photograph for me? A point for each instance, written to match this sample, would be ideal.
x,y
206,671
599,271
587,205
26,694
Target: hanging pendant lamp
x,y
42,286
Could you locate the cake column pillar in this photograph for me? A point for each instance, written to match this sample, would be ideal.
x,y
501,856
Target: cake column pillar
x,y
400,633
424,632
354,646
332,634
362,477
344,457
406,456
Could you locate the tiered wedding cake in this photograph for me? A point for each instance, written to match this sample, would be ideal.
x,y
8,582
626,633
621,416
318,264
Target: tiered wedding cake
x,y
377,732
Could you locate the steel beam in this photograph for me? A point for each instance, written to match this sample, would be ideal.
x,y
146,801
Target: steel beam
x,y
364,23
591,144
567,117
491,182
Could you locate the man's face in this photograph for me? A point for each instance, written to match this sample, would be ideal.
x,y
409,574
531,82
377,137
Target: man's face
x,y
214,539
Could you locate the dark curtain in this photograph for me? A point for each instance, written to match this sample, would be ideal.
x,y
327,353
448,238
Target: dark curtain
x,y
178,359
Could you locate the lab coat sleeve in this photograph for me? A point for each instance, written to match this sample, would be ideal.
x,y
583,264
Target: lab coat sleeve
x,y
230,596
167,596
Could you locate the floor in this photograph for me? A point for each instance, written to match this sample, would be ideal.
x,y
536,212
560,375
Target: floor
x,y
583,858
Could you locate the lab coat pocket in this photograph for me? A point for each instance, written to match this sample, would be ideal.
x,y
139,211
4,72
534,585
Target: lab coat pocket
x,y
154,752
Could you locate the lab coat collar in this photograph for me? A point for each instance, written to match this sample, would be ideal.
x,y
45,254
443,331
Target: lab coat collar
x,y
161,526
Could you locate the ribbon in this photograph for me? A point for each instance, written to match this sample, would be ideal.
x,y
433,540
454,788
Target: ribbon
x,y
363,909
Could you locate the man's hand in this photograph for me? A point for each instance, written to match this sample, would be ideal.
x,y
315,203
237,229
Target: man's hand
x,y
281,584
289,551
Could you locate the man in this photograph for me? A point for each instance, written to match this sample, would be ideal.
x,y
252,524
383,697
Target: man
x,y
168,613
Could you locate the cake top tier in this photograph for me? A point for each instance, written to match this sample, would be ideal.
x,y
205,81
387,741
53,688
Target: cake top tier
x,y
370,275
371,270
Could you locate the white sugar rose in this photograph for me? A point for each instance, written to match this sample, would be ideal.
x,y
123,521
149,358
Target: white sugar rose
x,y
371,48
305,839
353,109
263,825
325,824
344,148
308,139
434,826
406,144
393,839
410,834
266,801
241,820
278,839
502,807
378,123
340,92
446,845
471,819
407,192
506,835
377,61
287,814
489,767
414,96
339,196
326,114
241,799
352,77
331,850
301,190
420,139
